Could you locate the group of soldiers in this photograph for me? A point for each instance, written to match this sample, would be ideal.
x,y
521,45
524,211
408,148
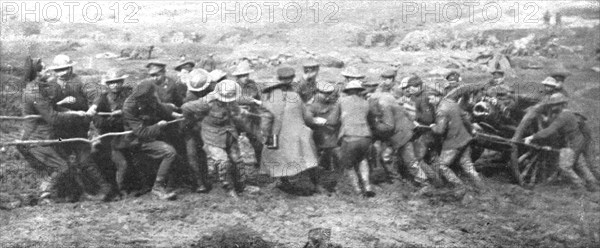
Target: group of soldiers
x,y
292,124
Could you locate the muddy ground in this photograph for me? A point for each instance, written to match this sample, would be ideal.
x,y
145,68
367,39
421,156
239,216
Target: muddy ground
x,y
505,215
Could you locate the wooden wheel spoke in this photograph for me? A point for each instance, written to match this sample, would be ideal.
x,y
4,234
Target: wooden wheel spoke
x,y
524,156
530,164
534,174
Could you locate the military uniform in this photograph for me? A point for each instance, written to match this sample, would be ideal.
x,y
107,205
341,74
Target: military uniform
x,y
37,102
219,135
307,86
395,127
425,142
168,90
454,127
532,112
208,63
325,136
198,83
110,102
453,80
141,113
250,94
71,85
355,137
575,138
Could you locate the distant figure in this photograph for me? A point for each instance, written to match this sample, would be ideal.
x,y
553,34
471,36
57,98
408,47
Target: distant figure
x,y
136,53
558,19
547,18
150,52
208,63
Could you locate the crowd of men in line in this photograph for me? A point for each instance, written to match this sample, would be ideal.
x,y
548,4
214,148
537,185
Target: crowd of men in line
x,y
291,126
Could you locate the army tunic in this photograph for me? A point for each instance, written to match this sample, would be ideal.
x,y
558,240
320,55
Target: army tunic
x,y
219,134
424,111
109,102
168,90
575,138
325,136
452,123
217,119
454,127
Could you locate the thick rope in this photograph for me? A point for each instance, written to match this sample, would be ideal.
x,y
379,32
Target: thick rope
x,y
95,139
39,116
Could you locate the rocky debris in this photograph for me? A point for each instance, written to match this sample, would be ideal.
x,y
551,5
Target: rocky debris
x,y
320,238
235,236
529,63
520,47
491,61
477,41
422,40
439,71
181,37
137,53
12,201
330,61
547,45
106,55
377,38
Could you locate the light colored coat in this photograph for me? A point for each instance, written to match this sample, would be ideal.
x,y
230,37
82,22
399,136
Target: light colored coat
x,y
297,151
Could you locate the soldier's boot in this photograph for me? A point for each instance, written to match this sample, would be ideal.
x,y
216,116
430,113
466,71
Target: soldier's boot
x,y
105,186
592,166
417,173
364,169
469,168
227,179
314,179
284,183
201,180
201,188
587,175
160,190
391,170
430,173
596,171
327,160
48,187
146,187
240,172
565,164
573,178
375,156
222,168
120,178
593,188
450,176
352,177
